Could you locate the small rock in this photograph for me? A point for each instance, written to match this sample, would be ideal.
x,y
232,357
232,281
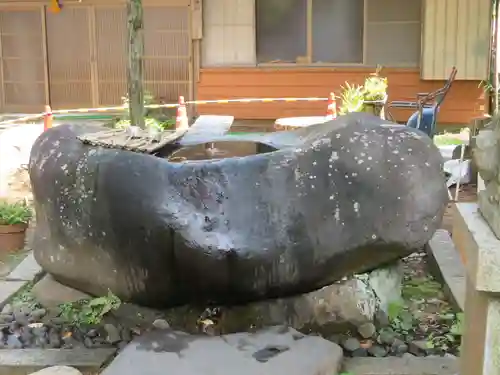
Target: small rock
x,y
386,337
351,344
161,324
58,370
377,351
381,319
359,353
26,337
113,333
7,309
6,318
449,355
40,342
92,333
22,315
367,330
55,341
87,341
38,329
419,348
38,314
399,347
13,342
126,335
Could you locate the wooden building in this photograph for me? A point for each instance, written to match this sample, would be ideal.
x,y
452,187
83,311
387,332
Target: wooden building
x,y
219,49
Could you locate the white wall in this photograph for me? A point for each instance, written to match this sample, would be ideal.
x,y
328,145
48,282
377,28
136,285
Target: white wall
x,y
229,32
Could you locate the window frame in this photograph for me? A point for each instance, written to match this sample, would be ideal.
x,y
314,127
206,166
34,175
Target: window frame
x,y
309,45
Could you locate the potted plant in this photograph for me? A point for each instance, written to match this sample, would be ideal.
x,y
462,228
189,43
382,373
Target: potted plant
x,y
14,219
370,97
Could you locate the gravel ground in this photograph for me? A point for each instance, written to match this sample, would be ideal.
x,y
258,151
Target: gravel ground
x,y
424,324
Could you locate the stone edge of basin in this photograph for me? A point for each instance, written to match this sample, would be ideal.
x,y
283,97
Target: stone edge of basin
x,y
447,267
401,366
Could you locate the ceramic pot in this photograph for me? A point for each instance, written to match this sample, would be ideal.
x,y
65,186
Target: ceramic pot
x,y
12,237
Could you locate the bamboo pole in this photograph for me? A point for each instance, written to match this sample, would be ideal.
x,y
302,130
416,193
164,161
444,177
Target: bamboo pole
x,y
135,25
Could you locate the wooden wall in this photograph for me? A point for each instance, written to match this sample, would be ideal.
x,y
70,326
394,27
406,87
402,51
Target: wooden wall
x,y
464,102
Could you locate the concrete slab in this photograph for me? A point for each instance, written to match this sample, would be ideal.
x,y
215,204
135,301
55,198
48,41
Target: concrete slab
x,y
27,270
8,289
447,266
401,366
273,351
27,361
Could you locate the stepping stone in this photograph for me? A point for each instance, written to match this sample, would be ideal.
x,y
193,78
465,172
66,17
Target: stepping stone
x,y
27,270
273,351
27,361
58,370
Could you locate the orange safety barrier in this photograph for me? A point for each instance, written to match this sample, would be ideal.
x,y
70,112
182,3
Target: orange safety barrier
x,y
331,109
47,118
49,113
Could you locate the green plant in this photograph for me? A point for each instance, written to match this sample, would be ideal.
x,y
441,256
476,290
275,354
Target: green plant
x,y
355,98
449,339
154,118
400,318
421,288
352,99
14,213
25,296
89,311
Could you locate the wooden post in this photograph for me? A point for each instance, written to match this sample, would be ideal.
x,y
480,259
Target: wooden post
x,y
135,63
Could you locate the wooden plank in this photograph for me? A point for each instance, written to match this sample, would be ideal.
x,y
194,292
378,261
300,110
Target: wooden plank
x,y
139,140
27,361
207,126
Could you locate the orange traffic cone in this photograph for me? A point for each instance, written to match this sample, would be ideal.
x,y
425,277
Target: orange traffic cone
x,y
181,120
47,118
331,109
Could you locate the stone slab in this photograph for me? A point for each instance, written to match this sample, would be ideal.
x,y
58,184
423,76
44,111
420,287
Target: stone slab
x,y
51,293
478,247
401,366
27,270
27,361
178,353
8,289
447,266
58,370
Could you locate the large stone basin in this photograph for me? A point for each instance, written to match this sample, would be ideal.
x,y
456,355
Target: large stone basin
x,y
338,198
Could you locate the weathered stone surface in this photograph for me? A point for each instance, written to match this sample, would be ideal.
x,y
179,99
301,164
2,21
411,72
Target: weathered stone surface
x,y
486,154
334,199
51,293
27,361
327,310
274,351
58,370
408,365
